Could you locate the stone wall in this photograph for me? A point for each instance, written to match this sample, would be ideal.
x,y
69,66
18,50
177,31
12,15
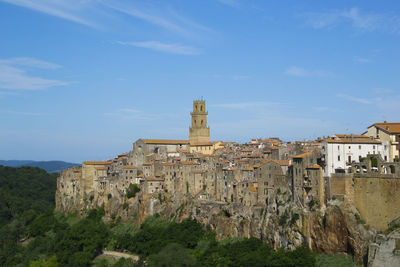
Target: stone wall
x,y
378,200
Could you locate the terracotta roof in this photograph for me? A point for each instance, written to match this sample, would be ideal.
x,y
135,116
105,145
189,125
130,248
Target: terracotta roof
x,y
314,166
165,141
96,163
189,163
352,139
167,164
392,127
302,155
147,163
350,135
254,189
128,167
77,170
140,175
229,169
101,168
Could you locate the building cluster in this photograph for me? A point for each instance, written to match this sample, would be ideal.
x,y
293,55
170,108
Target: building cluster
x,y
251,173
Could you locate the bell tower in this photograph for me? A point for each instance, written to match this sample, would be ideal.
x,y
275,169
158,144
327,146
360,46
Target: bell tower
x,y
199,132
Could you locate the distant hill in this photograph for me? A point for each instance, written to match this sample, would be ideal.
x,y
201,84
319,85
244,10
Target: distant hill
x,y
49,166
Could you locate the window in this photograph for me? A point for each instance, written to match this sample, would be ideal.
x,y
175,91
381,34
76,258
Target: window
x,y
338,158
349,159
373,147
338,147
359,147
349,147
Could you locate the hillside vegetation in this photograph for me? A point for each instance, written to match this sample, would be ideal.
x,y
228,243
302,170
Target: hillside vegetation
x,y
25,192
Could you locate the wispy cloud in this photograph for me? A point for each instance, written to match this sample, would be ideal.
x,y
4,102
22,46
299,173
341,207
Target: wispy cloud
x,y
164,47
100,14
301,72
358,20
355,99
30,62
16,78
246,105
63,9
147,16
232,3
361,60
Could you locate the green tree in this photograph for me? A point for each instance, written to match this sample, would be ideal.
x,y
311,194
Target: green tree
x,y
172,255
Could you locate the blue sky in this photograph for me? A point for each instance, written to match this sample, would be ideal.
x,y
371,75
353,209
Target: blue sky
x,y
82,79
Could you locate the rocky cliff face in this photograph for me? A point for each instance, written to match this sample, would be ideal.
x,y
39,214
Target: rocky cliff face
x,y
385,251
332,229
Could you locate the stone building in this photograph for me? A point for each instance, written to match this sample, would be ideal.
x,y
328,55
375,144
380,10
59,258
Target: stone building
x,y
307,182
387,132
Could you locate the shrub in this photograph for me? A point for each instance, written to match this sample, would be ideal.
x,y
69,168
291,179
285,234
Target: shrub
x,y
283,220
132,190
109,196
313,203
295,217
224,213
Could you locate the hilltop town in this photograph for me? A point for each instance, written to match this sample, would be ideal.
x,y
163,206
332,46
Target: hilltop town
x,y
265,176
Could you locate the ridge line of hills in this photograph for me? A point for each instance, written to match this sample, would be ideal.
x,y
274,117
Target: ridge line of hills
x,y
49,166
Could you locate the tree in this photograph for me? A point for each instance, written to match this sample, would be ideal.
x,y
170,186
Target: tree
x,y
172,255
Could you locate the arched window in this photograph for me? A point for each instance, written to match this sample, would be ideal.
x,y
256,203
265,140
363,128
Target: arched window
x,y
201,108
201,122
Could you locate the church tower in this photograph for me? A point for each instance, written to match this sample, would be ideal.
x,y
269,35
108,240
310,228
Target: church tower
x,y
199,133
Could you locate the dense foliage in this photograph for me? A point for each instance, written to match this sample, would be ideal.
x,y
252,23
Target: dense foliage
x,y
53,237
25,191
186,243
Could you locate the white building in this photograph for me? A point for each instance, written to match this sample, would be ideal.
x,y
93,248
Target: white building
x,y
340,151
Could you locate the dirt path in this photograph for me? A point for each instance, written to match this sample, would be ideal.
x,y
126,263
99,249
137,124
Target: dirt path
x,y
116,255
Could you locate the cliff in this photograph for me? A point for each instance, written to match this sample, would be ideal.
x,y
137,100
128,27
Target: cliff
x,y
331,229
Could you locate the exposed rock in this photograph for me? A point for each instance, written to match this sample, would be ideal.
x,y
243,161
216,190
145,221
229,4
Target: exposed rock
x,y
385,251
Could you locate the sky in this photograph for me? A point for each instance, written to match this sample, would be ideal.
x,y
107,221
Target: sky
x,y
83,79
